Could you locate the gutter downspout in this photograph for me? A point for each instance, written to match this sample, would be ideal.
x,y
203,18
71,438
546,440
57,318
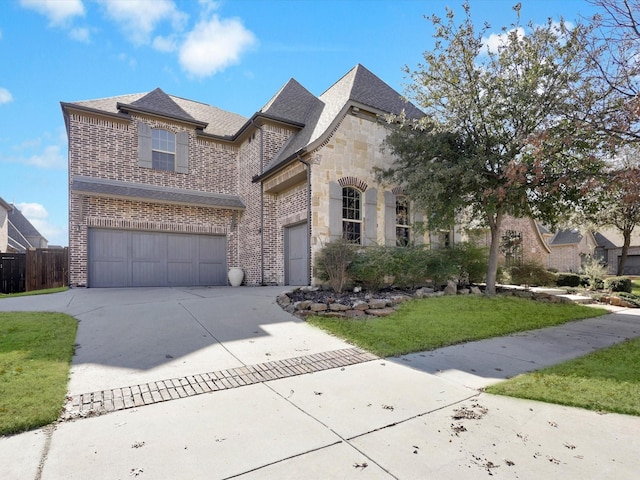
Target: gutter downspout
x,y
261,202
308,165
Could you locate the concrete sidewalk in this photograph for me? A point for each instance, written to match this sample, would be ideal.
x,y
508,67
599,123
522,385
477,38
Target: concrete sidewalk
x,y
418,416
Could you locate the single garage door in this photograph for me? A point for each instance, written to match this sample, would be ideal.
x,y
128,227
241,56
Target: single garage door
x,y
632,265
125,258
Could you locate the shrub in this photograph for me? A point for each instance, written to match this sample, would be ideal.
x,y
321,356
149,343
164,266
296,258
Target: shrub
x,y
410,266
618,284
594,271
332,261
469,262
371,265
531,273
440,267
568,280
630,297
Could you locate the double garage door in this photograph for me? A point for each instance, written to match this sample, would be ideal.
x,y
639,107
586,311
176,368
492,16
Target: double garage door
x,y
125,258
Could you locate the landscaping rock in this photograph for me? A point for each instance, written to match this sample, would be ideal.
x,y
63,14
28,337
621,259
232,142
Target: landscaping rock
x,y
423,292
475,290
338,307
302,305
376,303
360,305
318,307
283,300
398,299
451,288
331,314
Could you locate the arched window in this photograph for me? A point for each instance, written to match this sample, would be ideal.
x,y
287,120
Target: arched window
x,y
352,215
163,149
402,221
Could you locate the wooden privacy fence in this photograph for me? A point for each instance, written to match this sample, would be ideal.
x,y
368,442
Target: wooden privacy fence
x,y
38,269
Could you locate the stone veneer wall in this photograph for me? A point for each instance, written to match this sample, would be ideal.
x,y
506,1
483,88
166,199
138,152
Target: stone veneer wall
x,y
103,147
352,151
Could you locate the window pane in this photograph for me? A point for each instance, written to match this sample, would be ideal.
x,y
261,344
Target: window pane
x,y
351,232
402,236
163,140
402,210
163,161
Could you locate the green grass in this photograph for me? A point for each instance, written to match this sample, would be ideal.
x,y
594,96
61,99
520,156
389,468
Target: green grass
x,y
635,286
34,292
431,323
606,380
35,355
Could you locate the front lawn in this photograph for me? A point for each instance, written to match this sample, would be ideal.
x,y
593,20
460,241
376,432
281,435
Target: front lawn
x,y
35,355
35,292
432,323
606,380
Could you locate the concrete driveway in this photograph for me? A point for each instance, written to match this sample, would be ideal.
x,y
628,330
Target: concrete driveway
x,y
258,393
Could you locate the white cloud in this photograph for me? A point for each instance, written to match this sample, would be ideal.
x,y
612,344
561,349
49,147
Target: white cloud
x,y
139,18
51,157
213,45
57,11
496,40
39,217
5,96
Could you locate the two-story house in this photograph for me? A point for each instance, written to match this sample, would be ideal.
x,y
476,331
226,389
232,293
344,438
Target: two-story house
x,y
165,191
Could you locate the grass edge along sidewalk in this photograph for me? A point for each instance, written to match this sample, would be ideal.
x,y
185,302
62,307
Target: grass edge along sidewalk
x,y
606,380
431,323
35,357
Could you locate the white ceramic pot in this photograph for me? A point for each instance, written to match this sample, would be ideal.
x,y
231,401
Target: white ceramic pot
x,y
236,274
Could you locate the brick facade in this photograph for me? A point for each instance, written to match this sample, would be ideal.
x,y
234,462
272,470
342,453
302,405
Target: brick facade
x,y
106,148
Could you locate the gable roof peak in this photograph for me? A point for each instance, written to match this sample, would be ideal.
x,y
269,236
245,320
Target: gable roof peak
x,y
159,103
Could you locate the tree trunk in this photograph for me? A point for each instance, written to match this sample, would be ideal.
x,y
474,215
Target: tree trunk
x,y
494,251
626,234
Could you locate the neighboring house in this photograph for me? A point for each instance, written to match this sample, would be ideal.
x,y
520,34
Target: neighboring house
x,y
610,244
4,225
570,249
17,234
169,191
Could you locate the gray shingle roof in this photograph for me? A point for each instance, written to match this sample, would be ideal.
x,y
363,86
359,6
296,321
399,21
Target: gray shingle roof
x,y
358,87
116,188
18,229
219,122
293,102
603,241
566,237
159,102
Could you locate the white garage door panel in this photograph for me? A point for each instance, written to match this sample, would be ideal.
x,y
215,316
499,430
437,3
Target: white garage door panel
x,y
144,259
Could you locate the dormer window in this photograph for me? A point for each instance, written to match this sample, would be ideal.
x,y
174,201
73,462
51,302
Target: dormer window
x,y
163,149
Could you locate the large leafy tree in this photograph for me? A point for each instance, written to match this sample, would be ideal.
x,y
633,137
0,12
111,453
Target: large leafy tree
x,y
502,134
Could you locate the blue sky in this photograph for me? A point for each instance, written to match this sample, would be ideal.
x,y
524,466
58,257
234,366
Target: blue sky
x,y
234,54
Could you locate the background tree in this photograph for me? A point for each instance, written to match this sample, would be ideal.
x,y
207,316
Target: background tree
x,y
615,201
501,134
613,50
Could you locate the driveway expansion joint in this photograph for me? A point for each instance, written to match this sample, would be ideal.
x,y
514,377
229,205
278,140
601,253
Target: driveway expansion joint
x,y
133,396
